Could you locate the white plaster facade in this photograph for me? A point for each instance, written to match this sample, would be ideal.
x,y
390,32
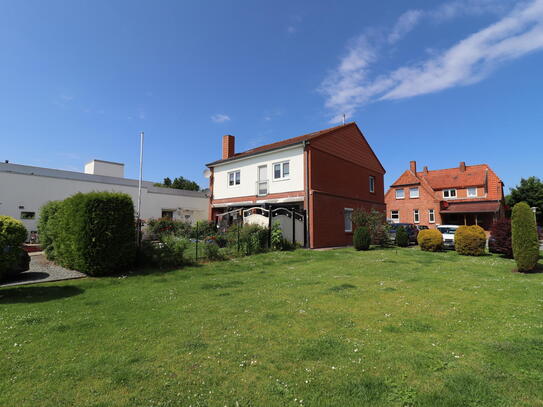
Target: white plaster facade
x,y
26,189
249,173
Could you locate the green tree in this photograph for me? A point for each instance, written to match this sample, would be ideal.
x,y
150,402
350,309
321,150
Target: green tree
x,y
402,238
179,183
362,238
167,182
524,237
529,190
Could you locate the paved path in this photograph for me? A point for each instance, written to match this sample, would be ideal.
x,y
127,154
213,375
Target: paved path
x,y
41,271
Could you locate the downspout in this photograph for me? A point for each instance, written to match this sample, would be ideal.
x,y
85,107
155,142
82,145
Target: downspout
x,y
306,156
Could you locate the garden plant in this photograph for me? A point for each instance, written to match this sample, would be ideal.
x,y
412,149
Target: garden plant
x,y
524,237
470,240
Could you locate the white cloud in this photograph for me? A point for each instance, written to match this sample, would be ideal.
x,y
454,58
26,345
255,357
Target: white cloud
x,y
220,118
468,61
405,23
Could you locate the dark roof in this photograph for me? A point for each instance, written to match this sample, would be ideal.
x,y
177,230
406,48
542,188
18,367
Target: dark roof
x,y
472,207
281,144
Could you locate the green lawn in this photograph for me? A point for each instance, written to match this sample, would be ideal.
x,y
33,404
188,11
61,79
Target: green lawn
x,y
306,328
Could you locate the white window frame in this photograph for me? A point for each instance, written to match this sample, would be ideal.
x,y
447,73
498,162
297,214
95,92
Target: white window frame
x,y
472,195
416,216
237,177
395,220
282,170
431,216
396,193
411,190
448,191
345,212
372,183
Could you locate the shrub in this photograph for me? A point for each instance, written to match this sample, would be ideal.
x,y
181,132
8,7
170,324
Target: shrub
x,y
164,226
430,240
524,237
376,223
361,238
500,238
277,237
46,227
252,238
402,238
203,229
95,233
212,251
13,259
470,240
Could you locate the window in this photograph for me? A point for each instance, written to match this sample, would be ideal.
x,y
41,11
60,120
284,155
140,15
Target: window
x,y
449,193
281,170
395,216
28,215
372,183
431,216
414,192
472,192
399,194
416,217
167,214
234,178
348,219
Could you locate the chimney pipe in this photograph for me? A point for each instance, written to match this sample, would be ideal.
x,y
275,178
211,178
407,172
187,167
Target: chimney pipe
x,y
462,166
413,167
425,169
228,145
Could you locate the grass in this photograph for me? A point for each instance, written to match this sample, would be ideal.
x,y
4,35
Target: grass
x,y
395,327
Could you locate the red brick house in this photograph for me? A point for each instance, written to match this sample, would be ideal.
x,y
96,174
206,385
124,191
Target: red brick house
x,y
325,175
465,195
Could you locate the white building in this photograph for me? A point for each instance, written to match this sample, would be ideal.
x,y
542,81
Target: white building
x,y
25,189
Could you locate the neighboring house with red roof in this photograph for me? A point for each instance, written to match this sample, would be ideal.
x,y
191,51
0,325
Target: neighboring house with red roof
x,y
465,195
323,175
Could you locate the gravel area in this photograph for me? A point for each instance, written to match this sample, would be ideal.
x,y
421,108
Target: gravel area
x,y
41,271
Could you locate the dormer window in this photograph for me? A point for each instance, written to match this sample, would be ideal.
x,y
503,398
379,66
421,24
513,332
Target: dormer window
x,y
449,193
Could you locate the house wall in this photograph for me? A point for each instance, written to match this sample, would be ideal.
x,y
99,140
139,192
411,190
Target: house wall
x,y
426,201
32,192
249,174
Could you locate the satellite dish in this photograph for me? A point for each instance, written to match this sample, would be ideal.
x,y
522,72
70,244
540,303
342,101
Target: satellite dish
x,y
207,173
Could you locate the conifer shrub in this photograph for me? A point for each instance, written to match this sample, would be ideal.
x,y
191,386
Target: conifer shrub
x,y
430,240
362,238
500,238
402,238
524,237
46,227
13,259
470,240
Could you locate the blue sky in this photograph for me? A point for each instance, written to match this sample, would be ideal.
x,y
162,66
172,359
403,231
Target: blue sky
x,y
436,82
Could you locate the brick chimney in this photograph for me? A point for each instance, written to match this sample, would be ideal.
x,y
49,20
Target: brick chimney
x,y
462,166
425,170
228,143
413,167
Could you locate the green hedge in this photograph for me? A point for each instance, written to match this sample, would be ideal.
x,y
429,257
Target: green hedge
x,y
93,233
524,237
46,227
470,240
13,259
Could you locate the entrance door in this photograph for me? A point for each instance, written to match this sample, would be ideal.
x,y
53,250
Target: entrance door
x,y
262,184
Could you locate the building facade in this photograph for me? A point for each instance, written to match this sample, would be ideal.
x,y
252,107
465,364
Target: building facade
x,y
25,189
326,175
465,195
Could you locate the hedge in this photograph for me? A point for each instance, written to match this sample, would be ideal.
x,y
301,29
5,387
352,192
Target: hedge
x,y
13,259
430,240
524,237
470,240
94,233
46,227
362,238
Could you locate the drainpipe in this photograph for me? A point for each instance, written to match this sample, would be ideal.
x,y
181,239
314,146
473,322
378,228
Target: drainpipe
x,y
306,155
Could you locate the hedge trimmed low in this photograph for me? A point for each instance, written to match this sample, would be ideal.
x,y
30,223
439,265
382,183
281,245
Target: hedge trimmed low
x,y
470,240
13,259
430,240
524,237
93,233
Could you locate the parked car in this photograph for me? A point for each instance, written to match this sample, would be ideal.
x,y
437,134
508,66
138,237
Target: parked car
x,y
448,232
421,227
411,230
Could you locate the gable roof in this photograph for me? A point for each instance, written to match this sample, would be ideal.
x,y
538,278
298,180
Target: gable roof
x,y
281,144
407,178
474,175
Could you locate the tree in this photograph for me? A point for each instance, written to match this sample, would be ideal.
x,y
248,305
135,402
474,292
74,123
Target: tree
x,y
179,183
167,182
376,223
529,190
524,237
402,238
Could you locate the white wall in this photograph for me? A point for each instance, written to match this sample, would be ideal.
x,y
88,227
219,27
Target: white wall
x,y
249,174
33,191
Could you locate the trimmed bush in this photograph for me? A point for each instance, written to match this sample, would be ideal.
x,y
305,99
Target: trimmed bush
x,y
430,240
95,233
361,238
500,238
524,237
46,228
13,259
470,240
402,238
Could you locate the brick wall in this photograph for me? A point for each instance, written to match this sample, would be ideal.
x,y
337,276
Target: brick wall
x,y
406,206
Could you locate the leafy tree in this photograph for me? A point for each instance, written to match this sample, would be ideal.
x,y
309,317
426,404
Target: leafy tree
x,y
167,182
179,183
500,238
529,190
376,223
524,237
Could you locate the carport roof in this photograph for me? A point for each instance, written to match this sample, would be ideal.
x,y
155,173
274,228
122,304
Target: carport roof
x,y
472,207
